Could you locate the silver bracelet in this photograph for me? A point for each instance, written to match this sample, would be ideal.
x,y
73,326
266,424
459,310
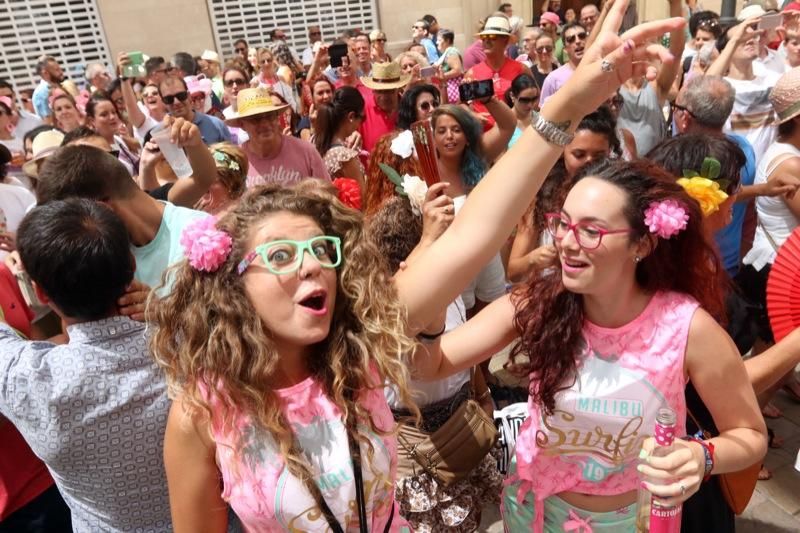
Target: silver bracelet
x,y
549,130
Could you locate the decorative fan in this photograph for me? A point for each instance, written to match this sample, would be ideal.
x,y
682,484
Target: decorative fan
x,y
426,151
783,288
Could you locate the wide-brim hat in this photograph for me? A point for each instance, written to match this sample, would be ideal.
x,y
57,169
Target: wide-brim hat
x,y
496,26
750,11
42,147
785,96
386,76
210,55
252,102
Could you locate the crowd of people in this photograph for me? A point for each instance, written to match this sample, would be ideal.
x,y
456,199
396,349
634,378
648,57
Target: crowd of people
x,y
261,292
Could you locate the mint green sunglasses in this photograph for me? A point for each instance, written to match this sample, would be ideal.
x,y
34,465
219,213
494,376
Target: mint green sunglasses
x,y
285,256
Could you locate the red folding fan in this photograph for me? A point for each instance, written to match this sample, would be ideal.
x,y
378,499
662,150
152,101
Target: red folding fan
x,y
783,288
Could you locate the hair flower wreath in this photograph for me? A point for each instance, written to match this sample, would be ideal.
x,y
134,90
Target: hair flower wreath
x,y
226,161
205,246
706,187
666,218
412,187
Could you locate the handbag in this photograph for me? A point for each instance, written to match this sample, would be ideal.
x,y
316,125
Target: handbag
x,y
736,487
451,452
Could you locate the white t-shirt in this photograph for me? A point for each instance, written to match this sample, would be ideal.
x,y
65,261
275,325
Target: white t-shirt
x,y
774,216
753,117
15,202
491,281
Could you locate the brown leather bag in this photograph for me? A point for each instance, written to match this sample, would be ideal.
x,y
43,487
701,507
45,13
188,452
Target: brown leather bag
x,y
451,452
737,487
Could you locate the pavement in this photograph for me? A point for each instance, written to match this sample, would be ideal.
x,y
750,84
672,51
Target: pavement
x,y
775,505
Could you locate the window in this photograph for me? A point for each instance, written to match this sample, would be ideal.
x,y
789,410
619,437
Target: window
x,y
252,20
69,30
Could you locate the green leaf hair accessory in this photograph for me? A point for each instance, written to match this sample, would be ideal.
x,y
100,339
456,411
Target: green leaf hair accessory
x,y
226,161
711,170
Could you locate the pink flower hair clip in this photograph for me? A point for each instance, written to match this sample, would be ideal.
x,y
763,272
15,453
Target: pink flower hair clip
x,y
205,246
666,218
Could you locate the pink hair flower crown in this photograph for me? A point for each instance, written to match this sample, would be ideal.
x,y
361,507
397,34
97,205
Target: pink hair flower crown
x,y
666,218
205,246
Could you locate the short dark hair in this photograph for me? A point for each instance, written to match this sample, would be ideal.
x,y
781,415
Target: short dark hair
x,y
41,63
81,132
237,41
569,26
185,62
78,252
504,6
172,79
407,111
5,84
700,17
83,172
430,19
153,64
362,35
447,35
722,40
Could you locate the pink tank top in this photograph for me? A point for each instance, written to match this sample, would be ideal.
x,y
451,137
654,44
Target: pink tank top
x,y
591,442
267,498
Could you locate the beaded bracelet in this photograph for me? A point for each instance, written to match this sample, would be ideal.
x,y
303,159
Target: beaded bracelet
x,y
708,452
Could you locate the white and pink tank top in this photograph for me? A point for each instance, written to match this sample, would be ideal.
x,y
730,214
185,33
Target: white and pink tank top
x,y
590,443
267,498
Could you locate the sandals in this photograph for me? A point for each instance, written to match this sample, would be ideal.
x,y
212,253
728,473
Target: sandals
x,y
770,411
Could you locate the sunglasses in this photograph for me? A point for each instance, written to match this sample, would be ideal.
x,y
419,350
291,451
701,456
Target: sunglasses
x,y
527,100
545,49
169,99
313,33
488,37
198,98
241,49
417,27
380,40
572,38
427,106
705,24
235,81
286,256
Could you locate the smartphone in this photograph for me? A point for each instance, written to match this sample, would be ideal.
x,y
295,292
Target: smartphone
x,y
134,69
27,290
475,90
771,21
336,53
427,72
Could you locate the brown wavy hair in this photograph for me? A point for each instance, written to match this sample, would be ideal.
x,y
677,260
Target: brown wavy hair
x,y
208,334
549,318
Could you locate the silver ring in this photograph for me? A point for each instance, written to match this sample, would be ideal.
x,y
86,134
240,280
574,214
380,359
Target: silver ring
x,y
606,66
683,489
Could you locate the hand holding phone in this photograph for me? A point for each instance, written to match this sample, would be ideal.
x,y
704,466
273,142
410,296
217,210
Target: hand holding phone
x,y
427,72
476,90
135,66
336,53
770,21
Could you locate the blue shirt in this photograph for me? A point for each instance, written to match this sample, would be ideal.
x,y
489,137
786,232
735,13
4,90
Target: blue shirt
x,y
430,49
165,250
729,238
212,129
40,98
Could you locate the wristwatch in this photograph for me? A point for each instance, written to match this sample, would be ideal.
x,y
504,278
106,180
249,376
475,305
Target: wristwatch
x,y
549,130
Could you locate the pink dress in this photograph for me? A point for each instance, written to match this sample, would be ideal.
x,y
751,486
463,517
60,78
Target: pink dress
x,y
590,443
267,498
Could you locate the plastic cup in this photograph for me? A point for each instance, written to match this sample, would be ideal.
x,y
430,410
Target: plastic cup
x,y
173,153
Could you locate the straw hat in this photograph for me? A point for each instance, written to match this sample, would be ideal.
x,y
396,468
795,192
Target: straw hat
x,y
42,147
496,26
753,10
252,102
785,96
386,76
210,55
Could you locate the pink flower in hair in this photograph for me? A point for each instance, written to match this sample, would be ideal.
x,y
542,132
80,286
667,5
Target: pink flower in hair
x,y
205,246
666,218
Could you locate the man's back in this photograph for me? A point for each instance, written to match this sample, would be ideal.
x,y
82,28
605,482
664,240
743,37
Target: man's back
x,y
95,411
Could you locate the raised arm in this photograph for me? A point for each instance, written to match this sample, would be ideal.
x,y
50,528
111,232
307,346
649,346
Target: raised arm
x,y
135,114
669,71
738,36
187,191
495,141
499,200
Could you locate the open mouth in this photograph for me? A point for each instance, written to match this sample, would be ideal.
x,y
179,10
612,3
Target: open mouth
x,y
572,265
315,302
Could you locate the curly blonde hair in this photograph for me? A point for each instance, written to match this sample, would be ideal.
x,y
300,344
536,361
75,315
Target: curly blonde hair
x,y
209,336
